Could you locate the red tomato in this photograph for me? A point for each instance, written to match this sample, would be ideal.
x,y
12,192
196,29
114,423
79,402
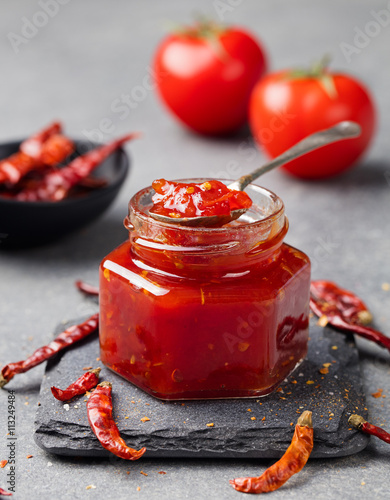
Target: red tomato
x,y
205,76
286,106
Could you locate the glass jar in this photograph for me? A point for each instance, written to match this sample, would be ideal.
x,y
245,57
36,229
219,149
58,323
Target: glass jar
x,y
204,313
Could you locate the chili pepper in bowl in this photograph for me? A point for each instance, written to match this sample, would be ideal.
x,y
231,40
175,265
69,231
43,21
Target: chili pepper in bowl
x,y
291,462
55,186
85,383
56,149
46,148
99,409
68,337
364,426
344,311
32,146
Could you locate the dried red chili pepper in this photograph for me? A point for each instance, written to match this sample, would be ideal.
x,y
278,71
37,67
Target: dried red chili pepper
x,y
86,382
291,462
46,148
87,288
344,311
55,150
5,493
13,168
55,186
68,337
99,408
364,426
32,146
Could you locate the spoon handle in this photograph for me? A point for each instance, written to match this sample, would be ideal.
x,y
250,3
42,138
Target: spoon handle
x,y
343,130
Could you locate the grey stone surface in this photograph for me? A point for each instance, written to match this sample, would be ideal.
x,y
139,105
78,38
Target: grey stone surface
x,y
178,429
75,66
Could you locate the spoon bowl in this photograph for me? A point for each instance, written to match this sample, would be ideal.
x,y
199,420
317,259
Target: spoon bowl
x,y
201,221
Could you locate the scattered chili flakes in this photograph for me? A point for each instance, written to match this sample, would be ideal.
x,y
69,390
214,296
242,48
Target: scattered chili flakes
x,y
243,346
263,419
323,320
3,463
143,473
294,382
324,370
91,487
202,296
138,488
310,382
248,409
253,418
177,375
29,456
161,472
97,359
87,368
377,394
211,424
279,389
334,347
145,419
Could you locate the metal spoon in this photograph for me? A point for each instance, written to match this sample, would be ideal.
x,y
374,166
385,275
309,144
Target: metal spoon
x,y
343,130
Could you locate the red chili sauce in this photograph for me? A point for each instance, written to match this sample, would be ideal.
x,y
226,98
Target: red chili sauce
x,y
177,199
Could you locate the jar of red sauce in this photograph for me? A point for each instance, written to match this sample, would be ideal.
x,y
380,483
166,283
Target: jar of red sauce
x,y
204,313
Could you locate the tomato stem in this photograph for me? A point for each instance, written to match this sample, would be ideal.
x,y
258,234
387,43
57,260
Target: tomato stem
x,y
317,71
201,28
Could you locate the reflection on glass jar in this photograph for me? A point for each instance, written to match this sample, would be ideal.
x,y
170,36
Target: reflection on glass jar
x,y
204,313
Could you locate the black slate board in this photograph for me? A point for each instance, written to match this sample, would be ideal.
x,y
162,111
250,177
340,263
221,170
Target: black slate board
x,y
178,429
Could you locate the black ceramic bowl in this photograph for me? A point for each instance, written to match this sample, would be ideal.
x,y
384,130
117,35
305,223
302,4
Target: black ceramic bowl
x,y
25,223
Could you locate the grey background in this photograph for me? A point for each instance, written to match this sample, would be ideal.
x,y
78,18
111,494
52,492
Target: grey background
x,y
83,59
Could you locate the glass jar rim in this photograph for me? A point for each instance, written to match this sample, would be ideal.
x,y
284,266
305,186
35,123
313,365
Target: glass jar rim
x,y
141,211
